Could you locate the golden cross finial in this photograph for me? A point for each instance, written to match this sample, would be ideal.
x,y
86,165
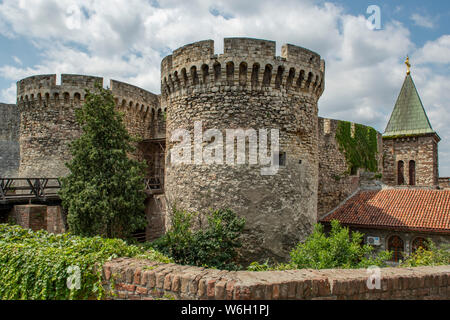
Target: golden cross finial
x,y
408,66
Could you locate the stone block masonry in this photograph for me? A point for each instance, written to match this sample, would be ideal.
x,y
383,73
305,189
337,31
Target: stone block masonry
x,y
47,118
146,280
9,140
335,180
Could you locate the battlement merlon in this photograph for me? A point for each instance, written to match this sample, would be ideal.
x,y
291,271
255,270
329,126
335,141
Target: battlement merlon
x,y
35,83
46,84
244,48
73,86
249,48
127,91
297,54
80,81
245,63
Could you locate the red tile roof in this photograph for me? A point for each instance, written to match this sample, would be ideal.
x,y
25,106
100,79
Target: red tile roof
x,y
408,209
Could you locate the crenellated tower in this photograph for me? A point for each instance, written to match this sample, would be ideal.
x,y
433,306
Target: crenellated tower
x,y
247,87
48,124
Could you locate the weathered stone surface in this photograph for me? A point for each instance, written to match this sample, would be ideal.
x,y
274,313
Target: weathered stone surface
x,y
335,182
48,125
9,140
248,87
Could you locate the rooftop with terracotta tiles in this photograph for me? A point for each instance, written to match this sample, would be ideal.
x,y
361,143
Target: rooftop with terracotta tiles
x,y
401,209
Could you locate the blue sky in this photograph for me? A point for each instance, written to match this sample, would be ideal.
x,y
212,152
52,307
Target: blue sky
x,y
126,40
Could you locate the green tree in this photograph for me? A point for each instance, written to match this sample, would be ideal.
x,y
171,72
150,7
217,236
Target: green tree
x,y
337,250
104,192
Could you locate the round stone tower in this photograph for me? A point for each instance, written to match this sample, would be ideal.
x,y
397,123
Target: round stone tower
x,y
48,124
248,88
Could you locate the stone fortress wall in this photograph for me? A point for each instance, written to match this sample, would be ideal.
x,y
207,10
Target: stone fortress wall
x,y
248,87
48,124
9,140
335,182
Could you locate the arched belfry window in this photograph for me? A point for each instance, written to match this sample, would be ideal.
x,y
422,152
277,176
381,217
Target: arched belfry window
x,y
396,245
412,173
400,173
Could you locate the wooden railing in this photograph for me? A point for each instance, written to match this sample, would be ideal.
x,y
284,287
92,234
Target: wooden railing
x,y
29,188
154,184
43,189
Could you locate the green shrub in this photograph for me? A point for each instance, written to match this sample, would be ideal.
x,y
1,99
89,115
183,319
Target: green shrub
x,y
338,250
214,246
35,265
429,256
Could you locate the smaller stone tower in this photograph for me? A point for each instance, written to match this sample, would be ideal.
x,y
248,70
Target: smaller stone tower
x,y
410,145
48,124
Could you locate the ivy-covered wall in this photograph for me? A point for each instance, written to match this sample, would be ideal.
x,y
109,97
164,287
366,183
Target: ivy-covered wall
x,y
344,148
359,145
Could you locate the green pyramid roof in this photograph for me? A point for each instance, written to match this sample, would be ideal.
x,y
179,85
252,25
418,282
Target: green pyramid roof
x,y
409,116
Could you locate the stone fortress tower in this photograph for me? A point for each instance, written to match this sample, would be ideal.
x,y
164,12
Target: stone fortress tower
x,y
248,87
47,118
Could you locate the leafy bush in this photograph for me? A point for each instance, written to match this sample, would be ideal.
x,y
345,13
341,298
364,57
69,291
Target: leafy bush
x,y
34,265
214,246
104,192
338,250
429,256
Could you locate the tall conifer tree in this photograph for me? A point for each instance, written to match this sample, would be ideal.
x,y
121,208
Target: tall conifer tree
x,y
104,192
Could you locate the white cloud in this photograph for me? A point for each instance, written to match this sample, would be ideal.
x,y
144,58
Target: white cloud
x,y
8,95
422,21
17,60
437,51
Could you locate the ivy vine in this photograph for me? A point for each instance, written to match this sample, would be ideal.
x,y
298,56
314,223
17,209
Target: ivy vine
x,y
38,265
361,149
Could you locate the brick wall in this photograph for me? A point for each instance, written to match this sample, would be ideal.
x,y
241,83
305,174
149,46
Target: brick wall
x,y
423,150
55,220
39,217
146,280
30,216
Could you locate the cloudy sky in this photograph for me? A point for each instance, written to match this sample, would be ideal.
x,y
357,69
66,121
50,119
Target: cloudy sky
x,y
126,40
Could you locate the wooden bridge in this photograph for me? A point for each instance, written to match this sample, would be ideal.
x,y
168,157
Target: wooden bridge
x,y
27,190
